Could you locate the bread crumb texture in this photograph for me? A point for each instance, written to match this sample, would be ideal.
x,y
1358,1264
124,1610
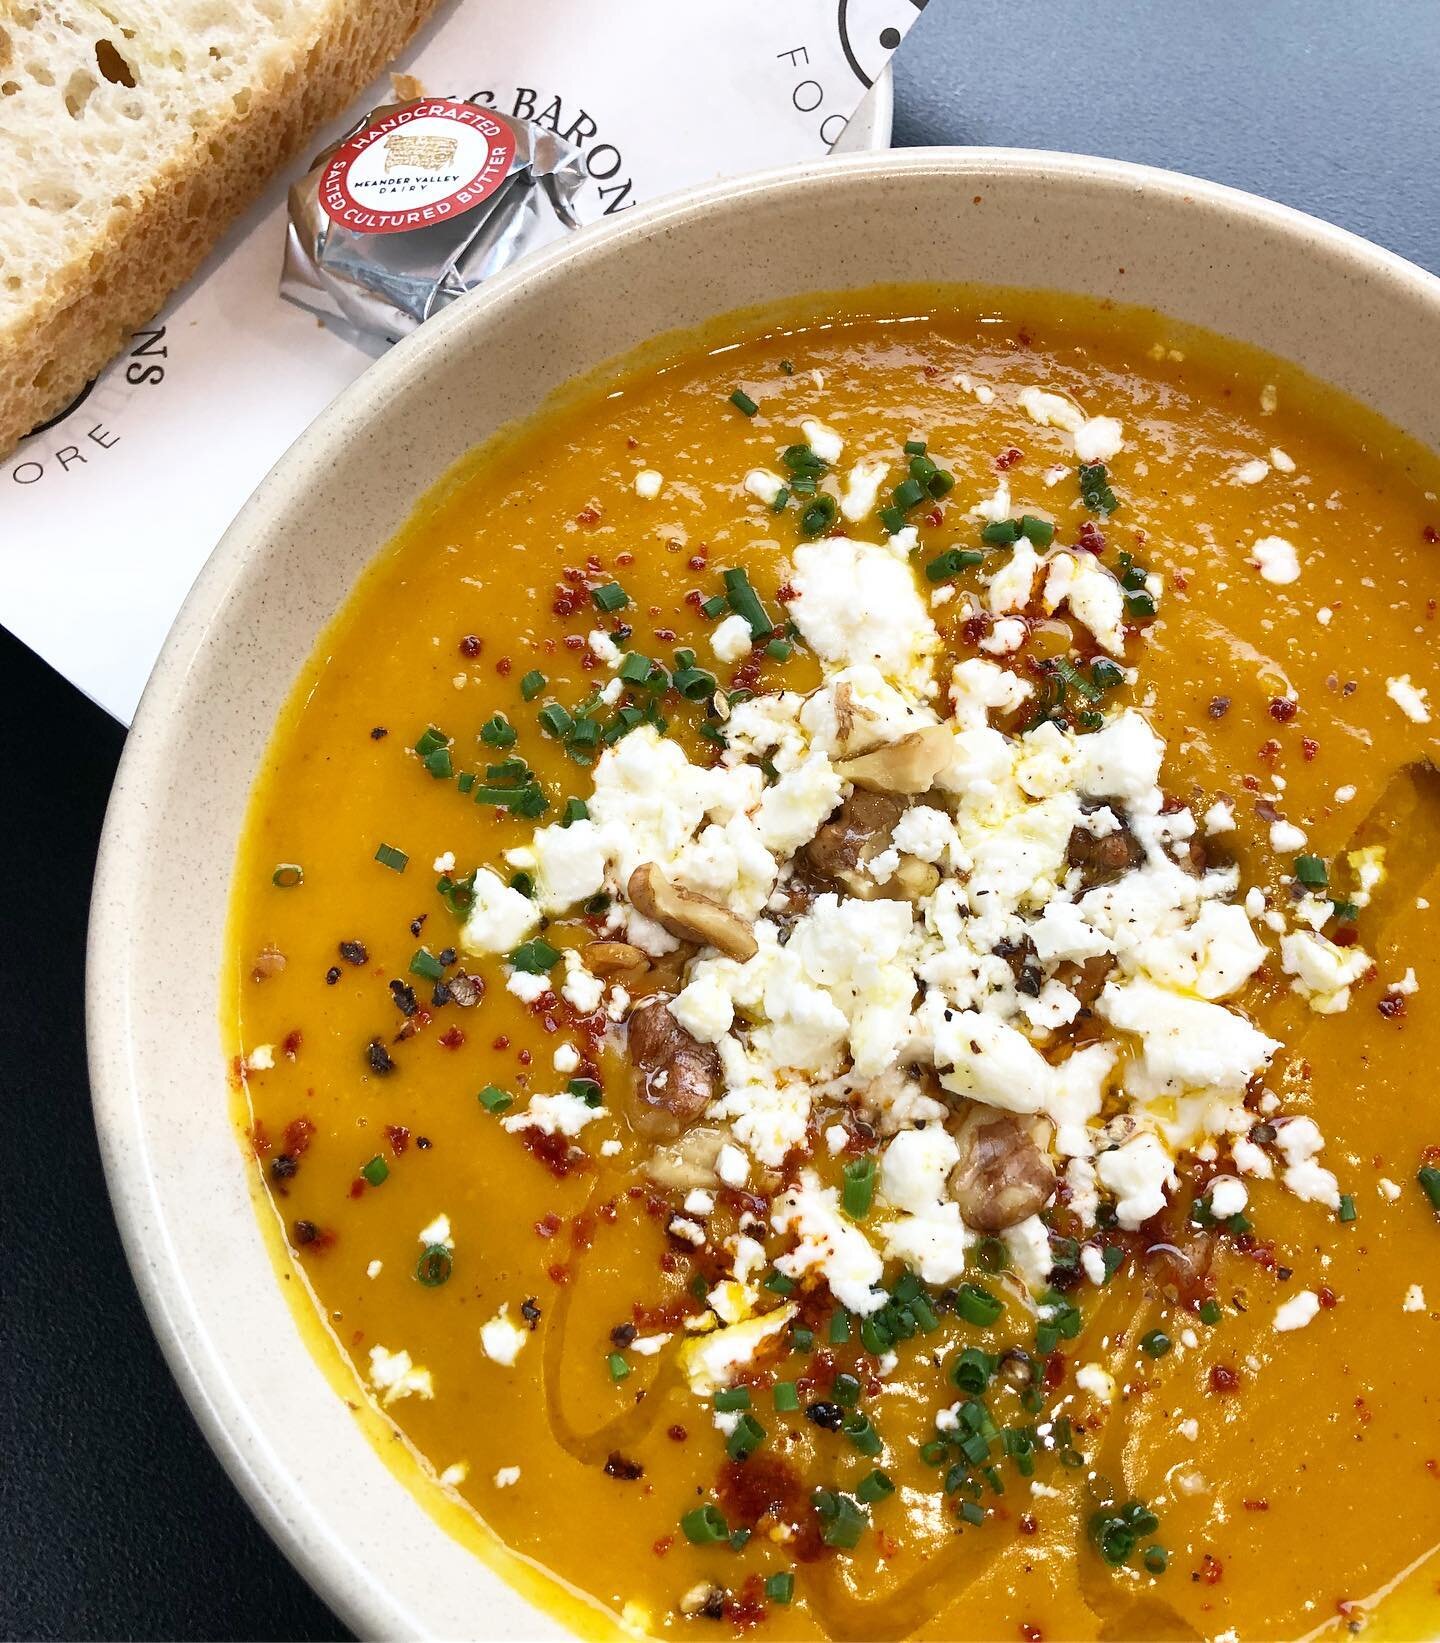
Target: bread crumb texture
x,y
131,136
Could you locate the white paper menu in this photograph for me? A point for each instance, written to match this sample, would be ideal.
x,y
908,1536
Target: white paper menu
x,y
108,513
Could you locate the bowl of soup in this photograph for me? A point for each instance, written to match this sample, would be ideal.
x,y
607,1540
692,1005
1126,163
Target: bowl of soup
x,y
764,958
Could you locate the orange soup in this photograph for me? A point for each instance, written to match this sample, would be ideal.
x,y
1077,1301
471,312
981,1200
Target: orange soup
x,y
833,985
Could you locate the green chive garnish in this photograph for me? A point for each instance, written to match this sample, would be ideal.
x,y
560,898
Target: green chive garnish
x,y
858,1192
745,1439
1156,1559
1210,1312
534,958
909,493
610,597
780,1588
434,1265
743,402
555,721
494,1099
778,1284
1038,531
1311,870
424,963
1001,532
388,856
744,601
1139,604
839,1327
972,1370
287,875
819,516
587,1090
617,1366
1347,1212
787,1397
874,1486
732,1399
376,1171
1429,1179
976,1305
1095,489
532,684
716,605
842,1521
1155,1344
431,742
575,810
1106,674
704,1526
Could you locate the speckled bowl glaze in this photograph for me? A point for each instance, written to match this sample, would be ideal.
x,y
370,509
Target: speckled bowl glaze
x,y
1354,315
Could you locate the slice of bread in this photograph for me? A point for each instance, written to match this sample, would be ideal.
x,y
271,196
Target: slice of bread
x,y
132,132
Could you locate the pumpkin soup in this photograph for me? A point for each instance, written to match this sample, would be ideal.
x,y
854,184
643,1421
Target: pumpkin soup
x,y
833,976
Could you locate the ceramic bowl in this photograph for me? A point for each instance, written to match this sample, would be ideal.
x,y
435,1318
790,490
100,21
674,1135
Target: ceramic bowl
x,y
1352,314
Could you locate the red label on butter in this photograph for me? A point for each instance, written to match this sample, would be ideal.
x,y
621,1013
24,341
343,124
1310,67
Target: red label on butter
x,y
417,165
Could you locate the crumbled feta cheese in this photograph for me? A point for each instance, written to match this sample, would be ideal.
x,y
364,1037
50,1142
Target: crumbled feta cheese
x,y
1414,1299
1323,972
445,863
261,1059
647,484
1099,1382
856,603
1286,838
732,1166
438,1232
453,1476
1220,818
862,490
1251,472
395,1376
710,1361
566,1059
764,485
507,1476
1092,1263
1412,700
1277,559
1299,1141
374,1269
499,919
1227,1197
501,1338
690,1232
699,1202
562,1114
828,1245
1138,1173
731,639
1298,1311
823,440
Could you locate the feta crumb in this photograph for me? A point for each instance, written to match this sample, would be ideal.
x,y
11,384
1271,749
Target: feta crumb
x,y
731,639
699,1202
1227,1197
374,1269
1277,559
501,1338
1099,1382
445,863
453,1476
1219,818
499,919
1343,795
395,1376
1282,462
566,1059
1252,472
1410,699
690,1231
1189,1429
1093,1263
822,439
507,1476
611,1148
1298,1311
764,485
438,1232
732,1166
261,1059
648,483
835,1138
1414,1299
1286,838
1388,1189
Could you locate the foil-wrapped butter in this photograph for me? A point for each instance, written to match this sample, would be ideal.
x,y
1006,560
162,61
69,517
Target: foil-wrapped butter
x,y
417,203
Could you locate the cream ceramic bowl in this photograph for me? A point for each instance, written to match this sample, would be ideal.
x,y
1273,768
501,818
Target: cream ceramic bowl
x,y
1354,315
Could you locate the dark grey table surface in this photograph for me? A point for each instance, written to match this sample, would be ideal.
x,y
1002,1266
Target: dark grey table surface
x,y
115,1520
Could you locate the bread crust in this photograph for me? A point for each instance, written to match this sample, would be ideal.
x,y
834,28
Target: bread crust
x,y
148,248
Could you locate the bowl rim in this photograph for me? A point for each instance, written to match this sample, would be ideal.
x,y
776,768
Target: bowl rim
x,y
172,1307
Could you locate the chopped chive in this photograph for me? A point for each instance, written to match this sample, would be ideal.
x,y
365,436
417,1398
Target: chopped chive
x,y
972,1370
802,1339
732,1399
532,684
575,810
524,883
587,1090
940,483
781,500
1347,1212
845,1389
424,963
1038,531
819,516
744,601
874,1486
1105,674
1156,1559
287,875
893,519
873,1337
610,596
839,1327
787,1397
842,1521
497,731
1155,1344
780,1588
534,958
376,1171
1095,489
1139,604
716,605
976,1305
1428,1178
704,1526
431,741
388,856
617,1366
1311,870
859,1190
779,650
972,1513
439,764
555,721
1346,910
695,684
801,459
494,1099
951,563
914,447
1001,532
909,493
921,467
743,402
1210,1312
635,669
745,1439
465,780
779,1284
434,1265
